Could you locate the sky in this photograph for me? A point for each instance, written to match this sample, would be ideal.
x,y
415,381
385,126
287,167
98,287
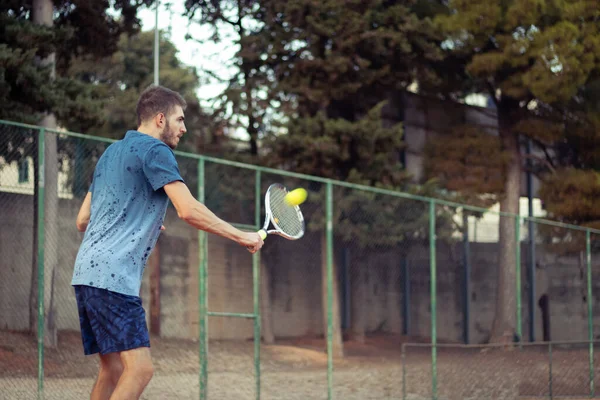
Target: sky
x,y
205,56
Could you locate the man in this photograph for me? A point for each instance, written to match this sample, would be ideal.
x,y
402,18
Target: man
x,y
122,216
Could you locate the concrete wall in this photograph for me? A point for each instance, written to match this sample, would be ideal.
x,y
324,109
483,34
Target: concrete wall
x,y
16,257
295,282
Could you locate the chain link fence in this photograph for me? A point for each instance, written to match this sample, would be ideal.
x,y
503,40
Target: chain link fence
x,y
18,353
289,323
526,371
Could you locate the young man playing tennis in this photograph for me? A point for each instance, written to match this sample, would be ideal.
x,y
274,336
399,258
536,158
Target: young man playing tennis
x,y
122,216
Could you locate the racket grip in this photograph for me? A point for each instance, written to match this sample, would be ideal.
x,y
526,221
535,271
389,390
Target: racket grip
x,y
263,234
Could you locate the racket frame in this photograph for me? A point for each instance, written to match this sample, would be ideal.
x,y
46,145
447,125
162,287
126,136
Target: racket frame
x,y
270,219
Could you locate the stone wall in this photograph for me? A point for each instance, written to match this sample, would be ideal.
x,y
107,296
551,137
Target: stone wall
x,y
295,283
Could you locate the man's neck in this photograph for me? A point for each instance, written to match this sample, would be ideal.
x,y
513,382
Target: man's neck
x,y
147,130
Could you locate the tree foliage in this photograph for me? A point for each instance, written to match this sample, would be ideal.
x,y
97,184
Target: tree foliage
x,y
569,191
344,57
247,102
335,62
532,58
123,75
573,194
468,162
80,28
363,151
338,65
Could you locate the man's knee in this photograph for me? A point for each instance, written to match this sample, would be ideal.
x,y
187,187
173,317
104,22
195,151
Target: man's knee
x,y
112,367
139,363
146,371
115,371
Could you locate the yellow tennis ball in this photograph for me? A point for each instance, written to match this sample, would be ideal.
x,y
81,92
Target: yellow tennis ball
x,y
296,196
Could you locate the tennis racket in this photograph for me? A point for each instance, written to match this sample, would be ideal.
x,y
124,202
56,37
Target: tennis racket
x,y
287,220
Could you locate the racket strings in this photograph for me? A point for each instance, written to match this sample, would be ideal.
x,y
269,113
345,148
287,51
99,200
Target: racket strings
x,y
285,216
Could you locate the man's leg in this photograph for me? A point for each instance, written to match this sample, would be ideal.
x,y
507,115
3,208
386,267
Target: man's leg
x,y
108,376
137,372
118,323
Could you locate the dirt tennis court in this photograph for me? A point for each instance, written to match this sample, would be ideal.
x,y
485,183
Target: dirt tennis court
x,y
297,369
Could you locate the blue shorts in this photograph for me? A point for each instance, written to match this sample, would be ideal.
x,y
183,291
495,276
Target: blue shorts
x,y
110,321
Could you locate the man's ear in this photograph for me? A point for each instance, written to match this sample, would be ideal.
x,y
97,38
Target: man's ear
x,y
160,120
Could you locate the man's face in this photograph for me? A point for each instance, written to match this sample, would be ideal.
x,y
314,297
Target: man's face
x,y
174,128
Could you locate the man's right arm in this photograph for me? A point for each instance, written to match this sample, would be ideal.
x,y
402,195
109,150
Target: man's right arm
x,y
199,216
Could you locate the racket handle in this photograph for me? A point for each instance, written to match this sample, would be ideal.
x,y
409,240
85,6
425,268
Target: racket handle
x,y
263,234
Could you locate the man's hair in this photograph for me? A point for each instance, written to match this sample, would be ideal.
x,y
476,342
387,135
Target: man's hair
x,y
155,100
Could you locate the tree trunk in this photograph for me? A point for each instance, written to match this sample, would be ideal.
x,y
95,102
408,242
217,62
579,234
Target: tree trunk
x,y
393,297
338,344
504,326
246,69
42,14
266,310
33,288
358,302
51,234
153,265
252,121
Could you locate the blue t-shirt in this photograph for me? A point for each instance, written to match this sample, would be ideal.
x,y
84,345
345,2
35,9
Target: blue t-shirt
x,y
127,211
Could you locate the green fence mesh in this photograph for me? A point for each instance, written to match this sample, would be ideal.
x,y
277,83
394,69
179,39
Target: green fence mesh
x,y
384,326
529,371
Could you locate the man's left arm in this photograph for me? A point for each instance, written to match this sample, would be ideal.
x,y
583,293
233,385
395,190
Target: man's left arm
x,y
83,217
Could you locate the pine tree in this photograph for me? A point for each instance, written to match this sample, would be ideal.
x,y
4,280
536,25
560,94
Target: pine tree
x,y
79,28
27,90
577,160
531,58
335,64
122,76
345,57
570,189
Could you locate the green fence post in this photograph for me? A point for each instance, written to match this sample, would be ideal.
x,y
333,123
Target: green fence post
x,y
550,392
433,289
403,371
256,286
590,299
329,233
518,277
466,279
202,285
41,238
405,266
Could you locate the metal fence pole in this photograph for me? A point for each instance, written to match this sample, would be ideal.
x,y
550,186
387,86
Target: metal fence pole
x,y
156,44
466,279
518,277
403,371
531,245
590,299
329,237
41,239
433,294
550,393
346,290
531,275
256,286
202,278
406,298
